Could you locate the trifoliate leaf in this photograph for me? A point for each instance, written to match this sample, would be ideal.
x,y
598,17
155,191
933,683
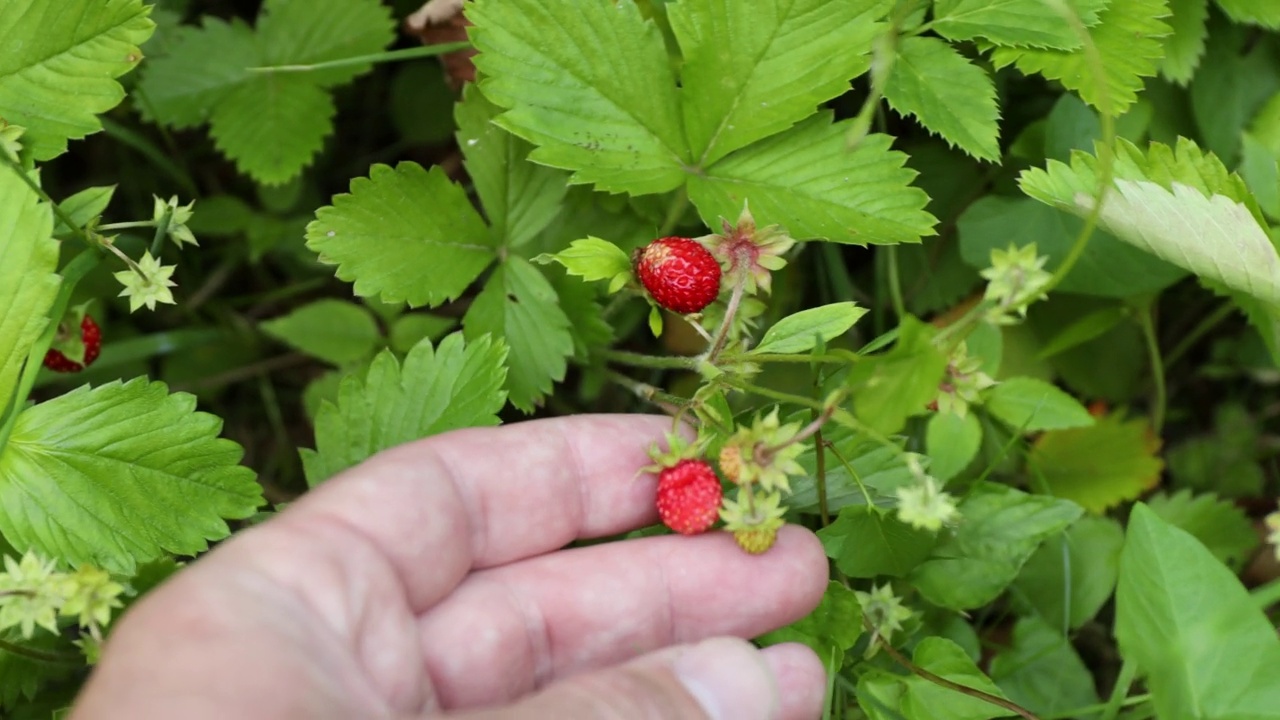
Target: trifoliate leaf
x,y
594,259
403,234
1098,466
519,198
935,84
1255,12
28,284
926,699
953,442
866,542
272,126
1042,672
1129,40
120,474
999,529
1181,205
453,386
808,181
587,324
893,386
183,88
1017,23
519,305
1206,649
754,69
803,331
58,71
331,330
1028,405
590,84
1184,47
1218,524
1068,580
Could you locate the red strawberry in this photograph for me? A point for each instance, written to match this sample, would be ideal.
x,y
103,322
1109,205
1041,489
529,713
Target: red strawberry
x,y
689,497
681,275
87,347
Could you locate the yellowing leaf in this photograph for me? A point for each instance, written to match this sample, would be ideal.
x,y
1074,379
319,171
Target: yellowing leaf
x,y
1098,466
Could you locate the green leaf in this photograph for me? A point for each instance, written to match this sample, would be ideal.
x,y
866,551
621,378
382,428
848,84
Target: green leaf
x,y
403,235
454,385
1180,205
84,206
1218,524
58,71
272,126
410,329
754,70
332,330
1000,528
1068,580
1184,618
953,442
304,32
1029,405
1019,23
808,181
1042,672
22,677
519,305
867,541
182,89
1224,462
1081,331
1128,38
28,284
804,330
950,96
120,474
519,198
593,259
878,468
1184,47
831,629
1098,466
1255,12
926,699
891,387
599,100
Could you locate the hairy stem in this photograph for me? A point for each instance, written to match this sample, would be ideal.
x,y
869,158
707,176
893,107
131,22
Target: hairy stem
x,y
1159,400
382,57
730,312
41,655
963,689
659,362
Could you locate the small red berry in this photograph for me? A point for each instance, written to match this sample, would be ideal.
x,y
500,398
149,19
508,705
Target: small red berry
x,y
90,335
689,497
681,275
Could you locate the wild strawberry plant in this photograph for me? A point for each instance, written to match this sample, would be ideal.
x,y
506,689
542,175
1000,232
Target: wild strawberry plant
x,y
986,293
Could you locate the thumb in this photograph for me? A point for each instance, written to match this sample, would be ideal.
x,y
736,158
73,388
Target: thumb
x,y
719,679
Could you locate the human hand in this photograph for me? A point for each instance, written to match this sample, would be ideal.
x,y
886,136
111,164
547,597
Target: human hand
x,y
430,580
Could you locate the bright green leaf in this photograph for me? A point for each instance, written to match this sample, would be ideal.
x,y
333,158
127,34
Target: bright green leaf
x,y
999,529
1129,39
28,284
1218,524
84,206
804,330
1018,23
437,389
1068,580
593,259
121,474
403,235
1030,405
831,629
590,84
1042,672
1184,47
1207,650
953,442
58,70
1180,205
752,70
519,305
304,32
808,181
869,542
272,126
332,330
1098,466
891,387
519,198
926,699
411,328
1256,12
949,95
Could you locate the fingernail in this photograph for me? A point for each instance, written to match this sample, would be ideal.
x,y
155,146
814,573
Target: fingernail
x,y
730,680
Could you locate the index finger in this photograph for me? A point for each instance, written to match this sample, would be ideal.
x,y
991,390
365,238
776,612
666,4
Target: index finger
x,y
476,498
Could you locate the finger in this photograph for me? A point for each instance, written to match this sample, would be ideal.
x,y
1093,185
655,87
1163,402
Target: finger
x,y
802,679
487,496
721,679
534,621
